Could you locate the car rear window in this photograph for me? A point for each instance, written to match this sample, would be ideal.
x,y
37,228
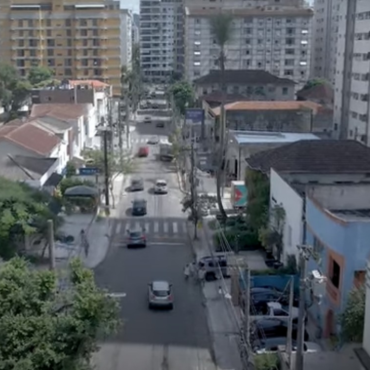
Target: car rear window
x,y
161,293
135,234
136,182
139,204
161,183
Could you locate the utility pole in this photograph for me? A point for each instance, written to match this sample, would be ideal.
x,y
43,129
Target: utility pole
x,y
127,100
290,323
120,139
51,245
106,169
194,205
302,309
247,308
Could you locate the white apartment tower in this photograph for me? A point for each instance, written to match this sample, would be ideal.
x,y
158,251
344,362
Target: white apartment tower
x,y
324,39
161,39
126,38
266,36
352,77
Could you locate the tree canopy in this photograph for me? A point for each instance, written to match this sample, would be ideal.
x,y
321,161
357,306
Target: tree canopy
x,y
23,211
182,93
352,319
39,75
45,327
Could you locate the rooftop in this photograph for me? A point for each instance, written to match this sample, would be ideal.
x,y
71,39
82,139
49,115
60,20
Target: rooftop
x,y
322,92
217,97
293,105
242,76
352,214
265,137
61,111
266,11
52,124
314,156
92,83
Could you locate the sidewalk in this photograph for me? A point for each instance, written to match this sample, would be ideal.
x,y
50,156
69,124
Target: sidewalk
x,y
222,316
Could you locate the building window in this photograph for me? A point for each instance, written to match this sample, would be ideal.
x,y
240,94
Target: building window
x,y
335,273
68,23
285,91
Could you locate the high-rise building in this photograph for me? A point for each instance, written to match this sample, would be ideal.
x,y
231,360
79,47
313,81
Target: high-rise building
x,y
126,38
161,38
135,29
352,77
77,40
324,39
272,38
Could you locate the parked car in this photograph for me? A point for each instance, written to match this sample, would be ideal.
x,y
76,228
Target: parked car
x,y
159,124
153,140
160,294
143,151
160,187
137,184
136,238
271,294
273,309
214,265
139,207
271,345
273,327
147,120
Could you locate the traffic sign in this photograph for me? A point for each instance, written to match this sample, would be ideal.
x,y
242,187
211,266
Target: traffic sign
x,y
88,171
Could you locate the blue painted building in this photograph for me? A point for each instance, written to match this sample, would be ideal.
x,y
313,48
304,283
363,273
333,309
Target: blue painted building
x,y
338,228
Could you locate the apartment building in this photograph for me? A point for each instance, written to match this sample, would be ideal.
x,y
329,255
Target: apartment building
x,y
135,29
352,77
161,39
239,4
126,38
324,39
78,40
272,38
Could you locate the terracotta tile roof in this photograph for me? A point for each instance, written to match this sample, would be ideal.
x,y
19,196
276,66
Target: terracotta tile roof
x,y
60,111
314,156
30,137
267,105
322,92
243,77
93,83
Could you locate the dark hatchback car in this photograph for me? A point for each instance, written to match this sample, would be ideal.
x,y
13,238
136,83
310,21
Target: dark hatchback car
x,y
136,238
272,328
137,185
139,207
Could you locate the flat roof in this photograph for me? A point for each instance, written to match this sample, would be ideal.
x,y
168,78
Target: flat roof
x,y
352,215
265,137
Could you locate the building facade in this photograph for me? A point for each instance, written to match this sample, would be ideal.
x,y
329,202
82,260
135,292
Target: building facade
x,y
324,39
161,39
77,40
126,38
270,38
352,78
338,229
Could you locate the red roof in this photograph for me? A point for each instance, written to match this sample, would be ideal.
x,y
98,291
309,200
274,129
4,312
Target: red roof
x,y
30,137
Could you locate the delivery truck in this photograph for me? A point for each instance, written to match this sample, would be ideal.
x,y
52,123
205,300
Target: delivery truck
x,y
165,152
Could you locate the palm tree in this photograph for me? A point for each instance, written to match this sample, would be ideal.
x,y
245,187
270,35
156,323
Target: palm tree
x,y
221,28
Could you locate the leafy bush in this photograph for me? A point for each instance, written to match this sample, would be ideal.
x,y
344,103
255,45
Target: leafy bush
x,y
247,239
71,182
266,361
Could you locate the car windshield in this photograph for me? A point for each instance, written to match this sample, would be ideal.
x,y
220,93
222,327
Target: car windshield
x,y
136,182
135,234
161,183
161,293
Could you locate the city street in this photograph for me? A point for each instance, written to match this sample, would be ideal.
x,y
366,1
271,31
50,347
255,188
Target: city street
x,y
155,340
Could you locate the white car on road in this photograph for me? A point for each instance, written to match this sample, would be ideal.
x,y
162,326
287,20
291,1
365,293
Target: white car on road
x,y
160,187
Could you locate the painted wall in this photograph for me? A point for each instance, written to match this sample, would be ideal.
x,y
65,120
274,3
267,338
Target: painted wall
x,y
281,193
346,243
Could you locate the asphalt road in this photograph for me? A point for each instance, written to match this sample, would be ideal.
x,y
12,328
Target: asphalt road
x,y
154,340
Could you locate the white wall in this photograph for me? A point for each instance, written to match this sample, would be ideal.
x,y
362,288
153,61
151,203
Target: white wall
x,y
61,152
366,339
126,38
281,193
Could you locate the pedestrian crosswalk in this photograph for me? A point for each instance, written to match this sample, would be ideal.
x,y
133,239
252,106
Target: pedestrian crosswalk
x,y
144,140
153,227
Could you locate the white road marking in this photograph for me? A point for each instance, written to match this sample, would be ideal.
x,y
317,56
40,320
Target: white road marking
x,y
137,225
166,243
116,295
165,227
174,226
118,230
156,227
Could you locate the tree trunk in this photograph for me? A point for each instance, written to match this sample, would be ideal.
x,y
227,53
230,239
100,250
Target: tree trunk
x,y
221,144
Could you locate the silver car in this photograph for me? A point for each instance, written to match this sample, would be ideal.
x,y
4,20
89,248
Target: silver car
x,y
160,295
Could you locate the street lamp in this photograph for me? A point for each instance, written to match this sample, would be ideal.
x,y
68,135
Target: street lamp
x,y
106,130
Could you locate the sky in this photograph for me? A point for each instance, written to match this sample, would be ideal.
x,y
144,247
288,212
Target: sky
x,y
135,4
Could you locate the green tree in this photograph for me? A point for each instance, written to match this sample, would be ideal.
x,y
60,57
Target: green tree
x,y
43,327
24,213
40,74
352,320
13,89
271,235
266,361
221,31
182,95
